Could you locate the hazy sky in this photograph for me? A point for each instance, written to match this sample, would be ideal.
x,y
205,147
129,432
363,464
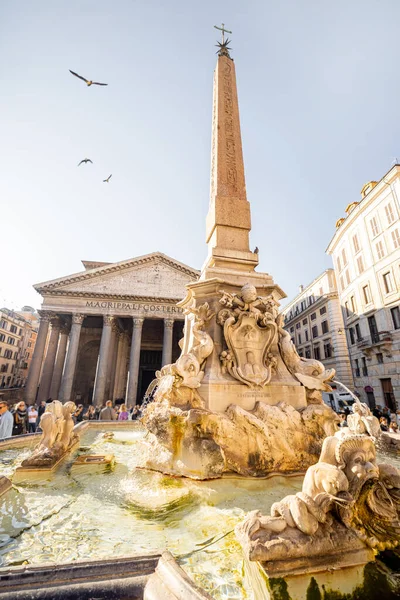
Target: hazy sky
x,y
319,96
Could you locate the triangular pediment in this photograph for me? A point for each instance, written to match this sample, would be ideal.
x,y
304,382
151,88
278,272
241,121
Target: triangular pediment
x,y
151,276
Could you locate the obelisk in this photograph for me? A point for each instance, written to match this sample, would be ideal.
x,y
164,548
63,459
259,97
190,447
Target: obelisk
x,y
228,221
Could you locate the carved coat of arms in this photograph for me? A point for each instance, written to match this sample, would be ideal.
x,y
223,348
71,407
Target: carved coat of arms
x,y
249,330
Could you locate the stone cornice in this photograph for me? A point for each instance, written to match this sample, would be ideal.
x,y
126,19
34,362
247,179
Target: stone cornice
x,y
74,294
155,258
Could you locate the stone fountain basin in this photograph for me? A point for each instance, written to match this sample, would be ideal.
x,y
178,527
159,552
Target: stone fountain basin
x,y
108,516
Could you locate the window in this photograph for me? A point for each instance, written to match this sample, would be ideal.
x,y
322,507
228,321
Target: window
x,y
364,366
8,354
324,326
379,358
346,307
387,282
299,338
303,305
29,344
360,265
3,324
293,340
315,331
374,227
15,355
20,332
356,244
13,329
357,367
351,332
306,334
298,325
353,304
322,310
396,238
367,294
311,299
304,321
347,275
339,264
27,354
344,257
11,340
300,353
313,316
308,352
317,353
373,329
4,368
2,337
328,350
389,213
358,332
380,251
396,317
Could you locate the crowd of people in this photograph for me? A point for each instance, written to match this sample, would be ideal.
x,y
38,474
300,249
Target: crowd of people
x,y
388,420
21,419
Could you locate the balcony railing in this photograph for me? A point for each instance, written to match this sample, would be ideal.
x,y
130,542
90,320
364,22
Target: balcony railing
x,y
375,339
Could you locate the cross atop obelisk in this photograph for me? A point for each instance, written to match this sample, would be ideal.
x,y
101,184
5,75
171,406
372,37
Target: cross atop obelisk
x,y
223,30
228,220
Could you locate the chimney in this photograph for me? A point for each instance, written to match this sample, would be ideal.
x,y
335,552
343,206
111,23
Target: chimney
x,y
301,288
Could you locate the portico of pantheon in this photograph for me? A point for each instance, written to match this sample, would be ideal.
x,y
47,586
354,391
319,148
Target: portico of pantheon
x,y
105,331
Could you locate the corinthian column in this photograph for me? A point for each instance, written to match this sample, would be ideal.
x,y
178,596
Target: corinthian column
x,y
101,376
121,370
48,366
167,342
37,359
112,359
134,360
72,354
59,364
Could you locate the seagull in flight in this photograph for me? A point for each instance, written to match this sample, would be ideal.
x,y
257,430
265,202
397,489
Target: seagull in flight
x,y
108,179
87,81
85,160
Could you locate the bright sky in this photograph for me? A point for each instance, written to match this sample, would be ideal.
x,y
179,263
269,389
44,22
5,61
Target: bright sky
x,y
319,93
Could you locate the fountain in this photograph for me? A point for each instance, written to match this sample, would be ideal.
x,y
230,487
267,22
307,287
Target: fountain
x,y
176,506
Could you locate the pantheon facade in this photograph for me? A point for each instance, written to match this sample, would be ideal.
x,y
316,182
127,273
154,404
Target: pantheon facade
x,y
105,331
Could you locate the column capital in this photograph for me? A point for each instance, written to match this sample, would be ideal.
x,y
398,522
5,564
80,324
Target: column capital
x,y
77,318
137,323
56,323
115,326
65,329
169,323
108,320
46,315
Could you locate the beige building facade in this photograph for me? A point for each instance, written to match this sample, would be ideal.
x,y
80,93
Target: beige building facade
x,y
315,323
17,344
366,256
105,331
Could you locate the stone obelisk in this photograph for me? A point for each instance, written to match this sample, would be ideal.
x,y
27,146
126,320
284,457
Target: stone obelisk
x,y
229,221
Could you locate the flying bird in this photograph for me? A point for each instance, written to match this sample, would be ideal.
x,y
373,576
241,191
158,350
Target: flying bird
x,y
108,179
87,81
85,160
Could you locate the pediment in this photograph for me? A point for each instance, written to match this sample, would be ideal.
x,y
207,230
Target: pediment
x,y
151,276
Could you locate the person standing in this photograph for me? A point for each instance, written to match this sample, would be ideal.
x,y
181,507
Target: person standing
x,y
90,414
20,419
108,413
32,418
123,414
6,420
